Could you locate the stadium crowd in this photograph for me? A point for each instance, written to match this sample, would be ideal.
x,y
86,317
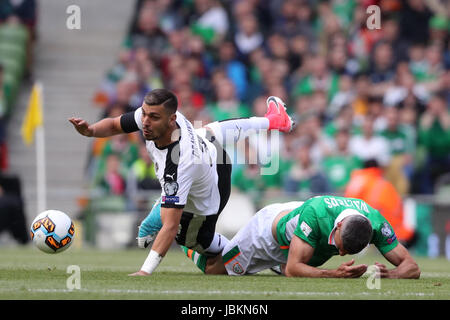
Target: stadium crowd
x,y
359,96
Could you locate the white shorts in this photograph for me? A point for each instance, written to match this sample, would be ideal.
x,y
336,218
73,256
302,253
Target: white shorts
x,y
254,248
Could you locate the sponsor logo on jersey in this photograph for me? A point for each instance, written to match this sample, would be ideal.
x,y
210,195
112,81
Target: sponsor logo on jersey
x,y
169,199
305,228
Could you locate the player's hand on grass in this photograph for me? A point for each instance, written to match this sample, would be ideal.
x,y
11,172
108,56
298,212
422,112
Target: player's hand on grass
x,y
139,273
82,126
348,270
383,271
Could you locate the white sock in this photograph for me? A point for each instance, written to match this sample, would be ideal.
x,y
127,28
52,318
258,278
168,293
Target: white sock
x,y
228,131
217,244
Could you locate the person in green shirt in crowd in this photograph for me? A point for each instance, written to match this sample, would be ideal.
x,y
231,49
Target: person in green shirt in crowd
x,y
434,135
319,78
124,148
301,236
339,165
227,105
303,174
399,169
248,179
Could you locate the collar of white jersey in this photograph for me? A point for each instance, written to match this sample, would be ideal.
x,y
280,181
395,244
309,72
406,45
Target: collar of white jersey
x,y
344,214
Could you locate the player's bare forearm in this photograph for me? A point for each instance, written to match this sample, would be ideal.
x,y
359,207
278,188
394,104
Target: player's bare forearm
x,y
345,270
164,240
406,266
104,128
305,271
408,269
300,252
170,219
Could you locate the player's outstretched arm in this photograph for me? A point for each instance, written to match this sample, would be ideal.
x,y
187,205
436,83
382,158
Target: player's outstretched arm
x,y
171,220
300,252
104,128
406,266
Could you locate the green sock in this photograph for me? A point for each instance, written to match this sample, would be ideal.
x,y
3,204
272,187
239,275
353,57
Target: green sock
x,y
197,258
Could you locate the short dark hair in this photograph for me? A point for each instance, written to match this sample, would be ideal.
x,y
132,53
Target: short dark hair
x,y
162,97
356,233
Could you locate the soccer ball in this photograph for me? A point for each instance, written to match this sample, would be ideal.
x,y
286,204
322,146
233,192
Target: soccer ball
x,y
52,231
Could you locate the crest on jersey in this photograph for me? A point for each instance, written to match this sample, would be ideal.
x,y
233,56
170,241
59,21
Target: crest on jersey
x,y
170,188
386,230
237,268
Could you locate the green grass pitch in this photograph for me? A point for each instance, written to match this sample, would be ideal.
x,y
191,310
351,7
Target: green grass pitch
x,y
26,273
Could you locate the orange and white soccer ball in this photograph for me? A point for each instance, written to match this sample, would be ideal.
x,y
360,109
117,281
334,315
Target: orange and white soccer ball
x,y
52,231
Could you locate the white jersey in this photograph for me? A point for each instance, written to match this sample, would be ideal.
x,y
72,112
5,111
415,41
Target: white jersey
x,y
186,169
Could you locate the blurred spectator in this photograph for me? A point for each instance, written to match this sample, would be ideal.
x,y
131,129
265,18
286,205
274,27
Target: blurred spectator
x,y
439,26
24,10
248,37
399,169
405,86
211,21
391,34
369,185
363,87
368,146
414,21
434,135
141,178
98,144
304,175
376,112
12,215
287,21
381,70
319,143
112,181
234,69
3,108
345,96
124,147
318,77
142,175
343,120
249,179
227,105
339,165
148,34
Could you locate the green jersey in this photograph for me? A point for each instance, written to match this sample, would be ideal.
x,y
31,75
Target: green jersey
x,y
315,220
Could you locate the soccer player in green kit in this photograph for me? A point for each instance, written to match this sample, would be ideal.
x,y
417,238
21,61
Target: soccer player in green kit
x,y
301,236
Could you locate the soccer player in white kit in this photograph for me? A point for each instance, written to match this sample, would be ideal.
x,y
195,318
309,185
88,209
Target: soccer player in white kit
x,y
193,169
